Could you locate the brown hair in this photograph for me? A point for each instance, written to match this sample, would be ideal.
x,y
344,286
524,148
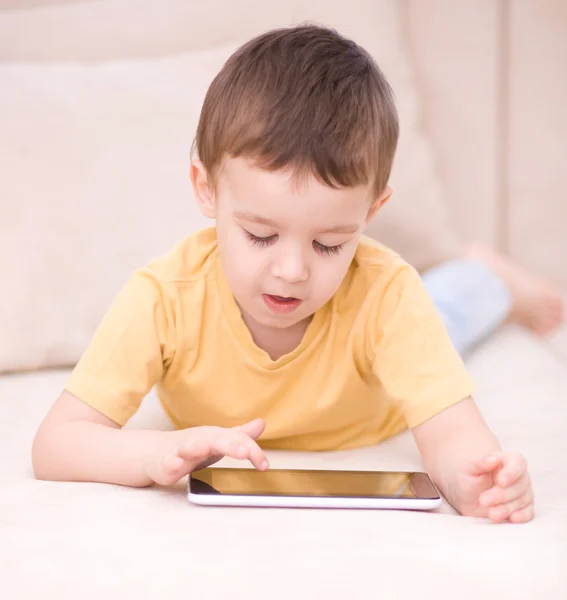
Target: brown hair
x,y
304,98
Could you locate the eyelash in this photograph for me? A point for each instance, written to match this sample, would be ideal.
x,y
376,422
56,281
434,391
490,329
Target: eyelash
x,y
328,250
260,241
267,241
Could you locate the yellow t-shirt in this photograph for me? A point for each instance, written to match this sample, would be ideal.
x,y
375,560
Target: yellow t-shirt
x,y
375,359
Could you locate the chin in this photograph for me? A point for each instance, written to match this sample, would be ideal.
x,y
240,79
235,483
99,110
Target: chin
x,y
281,322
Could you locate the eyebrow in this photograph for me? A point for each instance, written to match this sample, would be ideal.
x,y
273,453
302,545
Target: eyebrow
x,y
350,228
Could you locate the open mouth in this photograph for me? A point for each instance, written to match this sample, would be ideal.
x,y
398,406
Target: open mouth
x,y
281,304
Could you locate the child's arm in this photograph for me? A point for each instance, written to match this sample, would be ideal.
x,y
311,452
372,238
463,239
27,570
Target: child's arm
x,y
464,459
77,443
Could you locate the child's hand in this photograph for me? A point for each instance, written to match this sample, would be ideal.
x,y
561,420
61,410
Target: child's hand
x,y
179,453
498,487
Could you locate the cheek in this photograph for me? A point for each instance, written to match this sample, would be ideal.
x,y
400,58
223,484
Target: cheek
x,y
231,243
330,274
240,259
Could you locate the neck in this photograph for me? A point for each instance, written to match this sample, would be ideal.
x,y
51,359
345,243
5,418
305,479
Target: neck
x,y
277,342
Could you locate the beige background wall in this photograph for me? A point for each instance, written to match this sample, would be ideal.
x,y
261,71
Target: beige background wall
x,y
537,140
455,48
493,77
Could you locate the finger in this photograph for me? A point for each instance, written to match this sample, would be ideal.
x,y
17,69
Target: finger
x,y
211,460
515,466
239,445
486,464
194,451
249,449
503,511
254,428
524,515
498,495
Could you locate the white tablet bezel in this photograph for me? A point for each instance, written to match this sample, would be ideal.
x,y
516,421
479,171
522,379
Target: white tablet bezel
x,y
283,501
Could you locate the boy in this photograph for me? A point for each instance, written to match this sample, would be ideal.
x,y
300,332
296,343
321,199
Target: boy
x,y
282,320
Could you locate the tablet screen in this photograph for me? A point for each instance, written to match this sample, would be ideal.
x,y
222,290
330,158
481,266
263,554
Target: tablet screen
x,y
345,484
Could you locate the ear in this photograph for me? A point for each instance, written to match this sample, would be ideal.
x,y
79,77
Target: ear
x,y
379,203
203,189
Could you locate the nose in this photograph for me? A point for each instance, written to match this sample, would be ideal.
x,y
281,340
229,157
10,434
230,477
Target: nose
x,y
290,266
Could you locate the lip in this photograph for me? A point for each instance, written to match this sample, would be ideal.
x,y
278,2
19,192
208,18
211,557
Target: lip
x,y
279,305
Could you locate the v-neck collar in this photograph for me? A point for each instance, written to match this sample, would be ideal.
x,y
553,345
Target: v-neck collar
x,y
314,332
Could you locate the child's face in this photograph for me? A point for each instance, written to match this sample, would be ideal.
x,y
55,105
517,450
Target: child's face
x,y
285,248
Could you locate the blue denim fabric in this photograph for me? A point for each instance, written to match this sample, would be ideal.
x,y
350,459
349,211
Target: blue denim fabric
x,y
471,299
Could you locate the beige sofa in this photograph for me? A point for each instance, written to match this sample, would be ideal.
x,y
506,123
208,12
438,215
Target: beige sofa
x,y
98,105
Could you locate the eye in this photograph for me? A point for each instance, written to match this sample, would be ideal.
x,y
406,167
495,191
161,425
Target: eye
x,y
260,241
328,250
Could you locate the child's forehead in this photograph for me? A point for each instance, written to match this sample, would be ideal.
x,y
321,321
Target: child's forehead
x,y
246,180
274,200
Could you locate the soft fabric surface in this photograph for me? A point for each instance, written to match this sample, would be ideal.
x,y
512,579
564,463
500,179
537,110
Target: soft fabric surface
x,y
71,540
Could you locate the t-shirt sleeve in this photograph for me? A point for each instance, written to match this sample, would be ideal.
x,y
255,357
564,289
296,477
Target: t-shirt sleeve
x,y
130,351
414,358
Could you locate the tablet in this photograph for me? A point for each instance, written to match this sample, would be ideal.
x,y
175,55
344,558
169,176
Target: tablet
x,y
313,489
